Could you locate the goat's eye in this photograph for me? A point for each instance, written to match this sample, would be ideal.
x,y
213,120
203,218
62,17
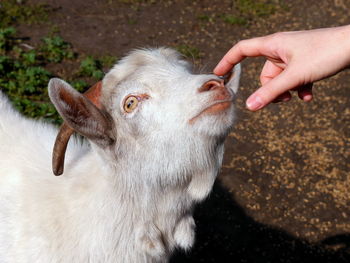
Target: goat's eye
x,y
130,104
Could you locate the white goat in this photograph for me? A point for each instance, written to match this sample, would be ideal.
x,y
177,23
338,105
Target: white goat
x,y
156,137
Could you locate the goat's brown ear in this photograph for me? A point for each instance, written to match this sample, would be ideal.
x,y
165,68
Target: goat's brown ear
x,y
81,115
65,132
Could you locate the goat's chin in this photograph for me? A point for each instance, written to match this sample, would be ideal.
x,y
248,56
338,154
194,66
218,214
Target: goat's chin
x,y
215,109
218,124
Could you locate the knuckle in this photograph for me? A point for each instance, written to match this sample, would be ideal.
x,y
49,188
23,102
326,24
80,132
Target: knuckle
x,y
240,44
278,35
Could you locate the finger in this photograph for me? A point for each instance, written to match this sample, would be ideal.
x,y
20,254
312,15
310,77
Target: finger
x,y
284,97
269,72
244,48
305,92
272,89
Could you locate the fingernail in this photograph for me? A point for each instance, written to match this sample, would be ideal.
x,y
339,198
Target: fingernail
x,y
216,69
285,99
307,98
254,103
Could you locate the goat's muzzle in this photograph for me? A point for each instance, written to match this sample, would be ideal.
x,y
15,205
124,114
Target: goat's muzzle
x,y
211,85
217,87
220,95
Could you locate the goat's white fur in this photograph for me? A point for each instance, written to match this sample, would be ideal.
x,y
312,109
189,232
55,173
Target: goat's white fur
x,y
131,202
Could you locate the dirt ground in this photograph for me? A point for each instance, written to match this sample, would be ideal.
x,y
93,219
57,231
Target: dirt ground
x,y
283,193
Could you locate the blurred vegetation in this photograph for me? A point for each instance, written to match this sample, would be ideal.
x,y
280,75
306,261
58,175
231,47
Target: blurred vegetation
x,y
256,8
189,52
56,49
23,76
234,20
245,11
14,12
24,69
133,1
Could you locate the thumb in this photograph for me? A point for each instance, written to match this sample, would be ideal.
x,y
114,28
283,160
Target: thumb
x,y
283,82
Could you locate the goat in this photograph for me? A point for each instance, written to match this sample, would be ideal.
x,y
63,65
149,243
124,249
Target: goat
x,y
155,134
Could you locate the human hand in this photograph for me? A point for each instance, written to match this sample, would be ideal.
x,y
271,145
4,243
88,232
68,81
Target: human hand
x,y
294,60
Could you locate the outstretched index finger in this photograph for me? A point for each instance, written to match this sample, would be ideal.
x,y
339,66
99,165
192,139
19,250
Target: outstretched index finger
x,y
244,48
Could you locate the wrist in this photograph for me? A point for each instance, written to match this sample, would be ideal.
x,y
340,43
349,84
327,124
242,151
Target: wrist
x,y
344,39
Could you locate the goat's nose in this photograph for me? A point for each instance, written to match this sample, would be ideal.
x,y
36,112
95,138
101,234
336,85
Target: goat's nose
x,y
211,85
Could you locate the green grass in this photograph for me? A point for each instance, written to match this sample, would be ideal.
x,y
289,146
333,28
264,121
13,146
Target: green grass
x,y
245,11
5,39
205,18
257,8
235,20
12,12
91,67
133,1
56,49
189,51
108,61
24,77
24,70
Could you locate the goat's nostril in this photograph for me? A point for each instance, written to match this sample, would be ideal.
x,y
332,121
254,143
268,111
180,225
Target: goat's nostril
x,y
211,85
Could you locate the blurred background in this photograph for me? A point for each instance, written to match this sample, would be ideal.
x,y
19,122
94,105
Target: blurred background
x,y
283,193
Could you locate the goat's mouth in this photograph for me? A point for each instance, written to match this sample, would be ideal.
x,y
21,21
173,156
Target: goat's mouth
x,y
216,108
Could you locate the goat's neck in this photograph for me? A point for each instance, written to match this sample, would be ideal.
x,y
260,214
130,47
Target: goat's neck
x,y
133,194
143,167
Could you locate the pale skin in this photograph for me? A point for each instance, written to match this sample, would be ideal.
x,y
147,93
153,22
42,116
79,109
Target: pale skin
x,y
294,61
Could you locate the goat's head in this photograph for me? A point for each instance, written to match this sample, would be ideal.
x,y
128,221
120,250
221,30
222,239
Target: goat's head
x,y
149,96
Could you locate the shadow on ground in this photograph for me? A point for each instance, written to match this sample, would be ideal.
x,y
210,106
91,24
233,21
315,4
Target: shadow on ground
x,y
226,234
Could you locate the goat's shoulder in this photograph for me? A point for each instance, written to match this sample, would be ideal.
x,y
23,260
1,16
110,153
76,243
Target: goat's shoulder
x,y
16,129
26,144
